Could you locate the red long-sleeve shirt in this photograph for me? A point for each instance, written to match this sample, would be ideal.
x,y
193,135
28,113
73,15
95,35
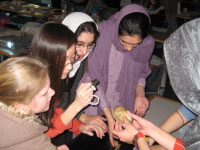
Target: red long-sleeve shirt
x,y
59,127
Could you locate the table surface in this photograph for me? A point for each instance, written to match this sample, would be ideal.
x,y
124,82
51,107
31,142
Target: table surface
x,y
27,9
160,36
161,108
57,18
20,46
13,45
188,15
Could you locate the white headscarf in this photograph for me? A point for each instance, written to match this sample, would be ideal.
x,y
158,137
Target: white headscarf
x,y
73,21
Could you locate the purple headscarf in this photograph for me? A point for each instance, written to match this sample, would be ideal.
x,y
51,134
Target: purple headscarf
x,y
98,61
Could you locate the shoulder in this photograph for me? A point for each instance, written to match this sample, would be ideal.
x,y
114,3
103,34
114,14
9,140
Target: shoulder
x,y
150,38
149,42
106,25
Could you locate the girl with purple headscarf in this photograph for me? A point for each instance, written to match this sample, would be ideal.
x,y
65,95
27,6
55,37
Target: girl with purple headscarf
x,y
120,61
182,56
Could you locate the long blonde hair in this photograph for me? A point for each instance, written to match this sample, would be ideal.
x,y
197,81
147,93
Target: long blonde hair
x,y
21,78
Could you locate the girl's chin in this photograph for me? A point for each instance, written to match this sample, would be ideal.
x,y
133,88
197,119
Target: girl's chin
x,y
81,56
64,76
47,108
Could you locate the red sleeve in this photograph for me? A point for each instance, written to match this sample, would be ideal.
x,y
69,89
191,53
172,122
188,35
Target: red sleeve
x,y
59,127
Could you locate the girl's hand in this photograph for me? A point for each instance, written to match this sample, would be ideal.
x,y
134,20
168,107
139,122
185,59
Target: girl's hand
x,y
141,105
62,147
84,94
87,129
125,132
94,120
141,124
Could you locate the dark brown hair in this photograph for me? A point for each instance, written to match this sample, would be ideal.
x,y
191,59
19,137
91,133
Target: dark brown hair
x,y
87,27
51,43
134,24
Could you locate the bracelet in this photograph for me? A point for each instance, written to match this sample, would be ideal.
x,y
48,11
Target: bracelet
x,y
137,136
178,145
140,134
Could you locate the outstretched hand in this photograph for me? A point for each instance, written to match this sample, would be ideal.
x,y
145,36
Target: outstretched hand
x,y
124,132
141,105
99,121
141,124
87,129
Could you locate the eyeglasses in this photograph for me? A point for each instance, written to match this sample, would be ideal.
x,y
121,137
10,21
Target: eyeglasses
x,y
124,43
83,45
73,59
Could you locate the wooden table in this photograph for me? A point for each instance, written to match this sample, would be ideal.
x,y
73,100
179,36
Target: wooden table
x,y
160,36
27,9
57,18
12,46
20,47
188,15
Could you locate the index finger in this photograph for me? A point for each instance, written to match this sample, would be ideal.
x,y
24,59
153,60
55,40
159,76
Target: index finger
x,y
133,115
86,85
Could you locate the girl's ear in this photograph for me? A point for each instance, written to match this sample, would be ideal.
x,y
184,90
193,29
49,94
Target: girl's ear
x,y
17,106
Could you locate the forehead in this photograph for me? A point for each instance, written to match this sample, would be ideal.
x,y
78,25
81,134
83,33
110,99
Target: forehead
x,y
133,39
86,37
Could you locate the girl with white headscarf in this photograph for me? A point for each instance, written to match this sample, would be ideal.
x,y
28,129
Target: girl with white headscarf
x,y
81,23
86,34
